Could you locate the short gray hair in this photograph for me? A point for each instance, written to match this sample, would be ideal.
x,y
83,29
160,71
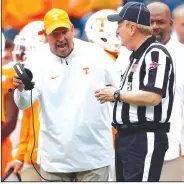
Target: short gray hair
x,y
146,30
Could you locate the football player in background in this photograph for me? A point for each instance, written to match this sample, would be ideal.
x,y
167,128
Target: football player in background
x,y
9,114
7,53
102,32
27,43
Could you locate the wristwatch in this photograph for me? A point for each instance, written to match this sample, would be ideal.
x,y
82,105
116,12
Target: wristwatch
x,y
117,95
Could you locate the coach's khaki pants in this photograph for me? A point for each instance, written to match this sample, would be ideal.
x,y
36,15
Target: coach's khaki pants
x,y
182,167
172,170
100,174
28,173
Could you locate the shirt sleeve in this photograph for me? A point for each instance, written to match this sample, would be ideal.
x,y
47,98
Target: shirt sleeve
x,y
24,99
158,71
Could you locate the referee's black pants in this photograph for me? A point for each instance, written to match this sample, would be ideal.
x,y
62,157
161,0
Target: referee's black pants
x,y
140,156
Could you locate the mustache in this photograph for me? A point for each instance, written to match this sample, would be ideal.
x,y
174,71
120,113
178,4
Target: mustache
x,y
61,42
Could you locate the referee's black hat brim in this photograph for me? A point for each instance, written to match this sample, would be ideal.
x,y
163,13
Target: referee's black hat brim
x,y
114,18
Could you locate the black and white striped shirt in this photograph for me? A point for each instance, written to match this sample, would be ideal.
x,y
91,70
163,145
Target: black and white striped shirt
x,y
150,69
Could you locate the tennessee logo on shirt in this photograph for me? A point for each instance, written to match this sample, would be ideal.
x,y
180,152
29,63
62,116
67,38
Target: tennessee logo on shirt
x,y
153,65
86,70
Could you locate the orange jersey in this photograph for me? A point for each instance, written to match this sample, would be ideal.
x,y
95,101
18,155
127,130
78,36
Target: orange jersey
x,y
25,146
6,154
7,75
6,143
112,55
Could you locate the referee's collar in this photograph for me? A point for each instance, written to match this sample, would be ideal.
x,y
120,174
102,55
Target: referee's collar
x,y
136,54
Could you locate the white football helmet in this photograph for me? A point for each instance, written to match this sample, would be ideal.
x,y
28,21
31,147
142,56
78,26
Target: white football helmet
x,y
3,41
101,31
27,40
119,9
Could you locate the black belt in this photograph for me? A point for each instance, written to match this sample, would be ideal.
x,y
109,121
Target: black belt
x,y
142,127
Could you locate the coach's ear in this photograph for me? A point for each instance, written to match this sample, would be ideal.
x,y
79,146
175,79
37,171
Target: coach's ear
x,y
45,40
44,36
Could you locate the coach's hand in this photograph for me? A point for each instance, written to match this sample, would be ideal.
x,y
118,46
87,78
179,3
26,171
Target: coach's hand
x,y
105,94
18,83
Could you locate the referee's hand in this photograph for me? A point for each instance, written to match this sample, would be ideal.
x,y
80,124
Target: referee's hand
x,y
18,83
105,94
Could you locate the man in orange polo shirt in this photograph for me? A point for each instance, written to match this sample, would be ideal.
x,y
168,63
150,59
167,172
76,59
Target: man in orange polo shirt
x,y
26,44
9,112
22,162
9,116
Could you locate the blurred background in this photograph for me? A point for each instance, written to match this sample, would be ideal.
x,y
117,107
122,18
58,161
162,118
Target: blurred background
x,y
18,13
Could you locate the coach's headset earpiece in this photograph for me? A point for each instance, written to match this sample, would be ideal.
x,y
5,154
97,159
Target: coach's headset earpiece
x,y
25,75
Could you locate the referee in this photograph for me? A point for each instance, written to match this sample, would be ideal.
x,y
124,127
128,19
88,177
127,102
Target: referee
x,y
143,103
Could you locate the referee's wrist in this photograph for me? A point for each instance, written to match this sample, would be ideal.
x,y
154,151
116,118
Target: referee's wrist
x,y
117,94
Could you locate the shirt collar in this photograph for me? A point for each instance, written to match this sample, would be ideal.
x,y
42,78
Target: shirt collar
x,y
136,54
171,41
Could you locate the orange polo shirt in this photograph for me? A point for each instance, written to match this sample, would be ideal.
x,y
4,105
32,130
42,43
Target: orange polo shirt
x,y
26,143
6,144
26,134
7,75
